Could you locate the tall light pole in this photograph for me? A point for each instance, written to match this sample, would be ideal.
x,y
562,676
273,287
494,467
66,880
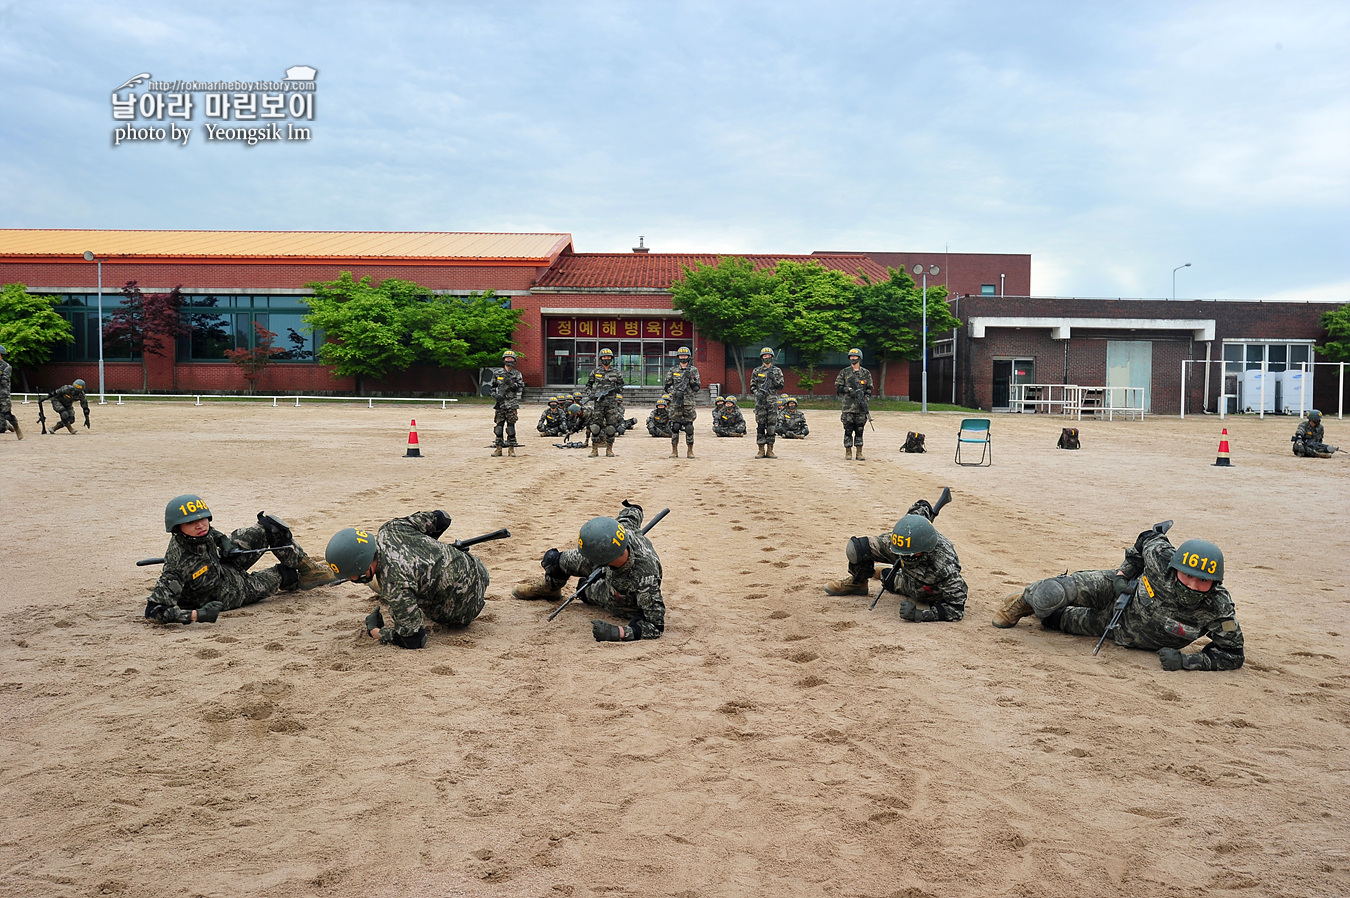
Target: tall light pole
x,y
933,270
1174,279
89,257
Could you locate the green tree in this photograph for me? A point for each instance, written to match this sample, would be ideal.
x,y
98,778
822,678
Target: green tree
x,y
892,314
819,313
30,328
373,330
729,302
1337,325
252,362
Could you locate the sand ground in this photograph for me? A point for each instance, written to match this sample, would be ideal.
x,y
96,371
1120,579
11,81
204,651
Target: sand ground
x,y
776,741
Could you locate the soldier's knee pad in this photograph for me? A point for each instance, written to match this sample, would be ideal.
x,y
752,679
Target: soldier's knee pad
x,y
1048,596
858,550
595,429
609,430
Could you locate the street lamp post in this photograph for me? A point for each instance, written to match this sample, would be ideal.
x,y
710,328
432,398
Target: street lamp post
x,y
89,257
1174,279
933,270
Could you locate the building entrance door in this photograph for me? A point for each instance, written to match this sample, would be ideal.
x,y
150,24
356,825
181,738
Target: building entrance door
x,y
1129,363
1008,373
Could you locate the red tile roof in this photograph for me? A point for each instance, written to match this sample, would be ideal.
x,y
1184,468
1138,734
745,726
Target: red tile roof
x,y
658,270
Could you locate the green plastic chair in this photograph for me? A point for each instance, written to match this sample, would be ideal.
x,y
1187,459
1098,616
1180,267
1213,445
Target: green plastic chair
x,y
976,431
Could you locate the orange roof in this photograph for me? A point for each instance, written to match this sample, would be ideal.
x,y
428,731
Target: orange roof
x,y
658,270
213,246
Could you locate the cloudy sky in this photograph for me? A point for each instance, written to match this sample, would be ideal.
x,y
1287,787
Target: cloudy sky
x,y
1111,141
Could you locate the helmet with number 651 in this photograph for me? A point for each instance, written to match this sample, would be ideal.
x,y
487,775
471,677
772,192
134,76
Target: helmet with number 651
x,y
350,553
913,535
602,540
1199,558
184,510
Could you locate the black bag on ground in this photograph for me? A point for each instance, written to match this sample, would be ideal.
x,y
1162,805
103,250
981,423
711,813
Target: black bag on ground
x,y
913,442
1068,438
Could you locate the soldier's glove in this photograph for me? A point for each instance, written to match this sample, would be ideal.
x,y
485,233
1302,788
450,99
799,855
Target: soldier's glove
x,y
441,524
1121,586
208,613
1170,658
417,640
374,621
552,565
910,611
604,631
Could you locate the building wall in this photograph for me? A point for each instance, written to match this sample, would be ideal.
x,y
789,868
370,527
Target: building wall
x,y
963,273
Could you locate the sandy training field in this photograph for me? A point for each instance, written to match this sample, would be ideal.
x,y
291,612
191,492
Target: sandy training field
x,y
776,741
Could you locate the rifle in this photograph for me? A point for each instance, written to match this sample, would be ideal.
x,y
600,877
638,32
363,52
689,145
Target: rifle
x,y
86,419
888,579
463,544
42,416
232,554
855,390
1123,600
600,571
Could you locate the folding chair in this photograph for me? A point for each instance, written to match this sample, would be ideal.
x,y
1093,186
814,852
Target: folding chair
x,y
975,430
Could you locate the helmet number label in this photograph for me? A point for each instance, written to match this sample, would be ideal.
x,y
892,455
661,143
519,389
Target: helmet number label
x,y
1200,563
618,536
190,507
362,536
901,542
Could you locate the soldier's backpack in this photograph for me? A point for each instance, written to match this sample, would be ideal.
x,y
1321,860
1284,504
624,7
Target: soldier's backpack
x,y
913,442
1068,438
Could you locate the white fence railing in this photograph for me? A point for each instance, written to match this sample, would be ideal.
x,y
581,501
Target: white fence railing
x,y
1076,400
125,398
1288,391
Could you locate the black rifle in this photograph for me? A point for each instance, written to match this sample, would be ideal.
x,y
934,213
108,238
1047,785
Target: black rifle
x,y
232,554
888,579
600,571
86,419
856,390
1123,600
42,415
463,544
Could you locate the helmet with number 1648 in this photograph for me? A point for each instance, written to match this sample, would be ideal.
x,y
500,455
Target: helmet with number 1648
x,y
350,552
602,540
184,510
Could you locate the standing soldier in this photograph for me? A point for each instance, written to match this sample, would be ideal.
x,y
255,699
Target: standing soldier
x,y
7,418
551,421
925,567
765,382
605,382
658,422
729,422
854,383
63,401
682,385
414,573
206,572
508,385
793,425
631,586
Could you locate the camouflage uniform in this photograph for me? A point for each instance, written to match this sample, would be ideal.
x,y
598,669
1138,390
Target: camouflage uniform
x,y
729,422
933,577
7,419
1162,613
793,424
658,423
575,422
508,385
63,404
855,387
198,570
766,382
683,383
552,422
605,414
632,590
1309,439
417,575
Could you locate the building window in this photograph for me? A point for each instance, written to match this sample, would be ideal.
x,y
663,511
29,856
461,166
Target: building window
x,y
986,289
644,348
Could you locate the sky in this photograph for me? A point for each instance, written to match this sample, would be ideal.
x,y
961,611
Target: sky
x,y
1111,141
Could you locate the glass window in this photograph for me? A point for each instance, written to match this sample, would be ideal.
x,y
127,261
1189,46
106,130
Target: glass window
x,y
561,362
1255,353
1276,355
292,339
211,336
986,289
1298,354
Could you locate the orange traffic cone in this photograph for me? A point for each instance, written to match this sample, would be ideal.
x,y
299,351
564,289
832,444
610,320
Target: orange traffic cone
x,y
415,452
1222,461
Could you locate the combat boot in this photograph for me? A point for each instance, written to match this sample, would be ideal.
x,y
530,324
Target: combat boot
x,y
1013,609
535,589
511,451
497,452
18,431
848,453
313,575
760,453
71,428
689,451
845,587
675,447
768,451
609,450
858,455
595,450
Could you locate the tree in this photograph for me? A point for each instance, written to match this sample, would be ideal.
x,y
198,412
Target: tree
x,y
252,362
30,328
892,312
730,302
1337,325
146,323
819,311
375,329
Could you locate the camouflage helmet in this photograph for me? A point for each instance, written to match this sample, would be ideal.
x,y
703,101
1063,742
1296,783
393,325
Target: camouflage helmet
x,y
792,400
350,553
1199,558
731,400
855,352
508,357
574,409
766,351
683,352
665,397
2,350
184,510
662,402
1314,416
913,535
79,382
719,400
553,400
606,353
618,397
576,397
602,540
